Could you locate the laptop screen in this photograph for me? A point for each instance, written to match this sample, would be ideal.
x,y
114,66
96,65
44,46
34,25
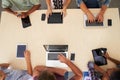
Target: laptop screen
x,y
56,48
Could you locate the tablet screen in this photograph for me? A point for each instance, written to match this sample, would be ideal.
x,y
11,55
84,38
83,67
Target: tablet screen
x,y
26,22
99,58
20,51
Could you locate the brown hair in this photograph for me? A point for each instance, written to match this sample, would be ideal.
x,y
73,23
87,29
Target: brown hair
x,y
46,75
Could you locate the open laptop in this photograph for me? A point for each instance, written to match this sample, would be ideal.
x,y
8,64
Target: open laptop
x,y
52,52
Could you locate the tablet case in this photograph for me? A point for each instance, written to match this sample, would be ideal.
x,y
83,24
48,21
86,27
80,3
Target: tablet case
x,y
56,18
26,22
98,55
94,23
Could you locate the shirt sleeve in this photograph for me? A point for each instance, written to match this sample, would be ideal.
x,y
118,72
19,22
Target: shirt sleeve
x,y
6,4
79,2
107,2
35,2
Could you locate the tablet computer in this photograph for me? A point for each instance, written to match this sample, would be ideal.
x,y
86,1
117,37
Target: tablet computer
x,y
21,47
98,55
26,22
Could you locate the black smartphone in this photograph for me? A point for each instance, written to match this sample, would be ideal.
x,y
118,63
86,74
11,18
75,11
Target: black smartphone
x,y
20,50
43,16
72,57
26,22
109,22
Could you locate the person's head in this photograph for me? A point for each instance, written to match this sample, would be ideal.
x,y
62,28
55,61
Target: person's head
x,y
115,75
46,75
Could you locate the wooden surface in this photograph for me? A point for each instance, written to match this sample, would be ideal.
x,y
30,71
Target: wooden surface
x,y
81,40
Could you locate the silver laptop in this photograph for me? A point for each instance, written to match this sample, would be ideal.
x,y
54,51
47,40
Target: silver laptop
x,y
52,52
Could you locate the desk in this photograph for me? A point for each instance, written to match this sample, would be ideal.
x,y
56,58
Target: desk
x,y
81,40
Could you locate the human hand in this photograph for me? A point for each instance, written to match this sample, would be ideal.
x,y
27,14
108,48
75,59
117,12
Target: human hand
x,y
90,17
27,55
106,55
100,17
23,15
62,58
64,12
49,12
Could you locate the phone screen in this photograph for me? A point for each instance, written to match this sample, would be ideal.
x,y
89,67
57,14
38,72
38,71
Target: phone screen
x,y
20,51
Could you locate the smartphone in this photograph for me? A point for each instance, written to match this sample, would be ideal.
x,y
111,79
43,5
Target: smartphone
x,y
20,50
43,16
26,22
72,57
109,22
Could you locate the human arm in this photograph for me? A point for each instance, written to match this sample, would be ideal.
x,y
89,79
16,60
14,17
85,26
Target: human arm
x,y
11,11
2,75
90,16
28,62
117,62
25,14
5,65
65,5
104,5
103,72
74,68
49,8
100,16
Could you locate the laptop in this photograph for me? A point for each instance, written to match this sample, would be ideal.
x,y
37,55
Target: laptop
x,y
52,52
55,18
93,24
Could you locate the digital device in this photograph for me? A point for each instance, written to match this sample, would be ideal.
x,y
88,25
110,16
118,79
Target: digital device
x,y
109,22
98,55
52,52
55,18
43,16
20,50
96,23
92,24
72,57
26,22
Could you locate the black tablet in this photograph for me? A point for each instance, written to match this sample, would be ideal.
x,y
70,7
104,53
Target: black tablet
x,y
98,55
26,22
55,18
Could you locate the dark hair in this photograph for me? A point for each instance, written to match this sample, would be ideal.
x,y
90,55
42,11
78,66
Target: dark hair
x,y
46,75
115,75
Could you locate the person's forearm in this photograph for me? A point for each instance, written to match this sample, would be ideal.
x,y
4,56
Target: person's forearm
x,y
103,9
57,70
65,5
29,67
4,65
48,2
10,11
84,8
99,69
35,7
74,68
114,60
